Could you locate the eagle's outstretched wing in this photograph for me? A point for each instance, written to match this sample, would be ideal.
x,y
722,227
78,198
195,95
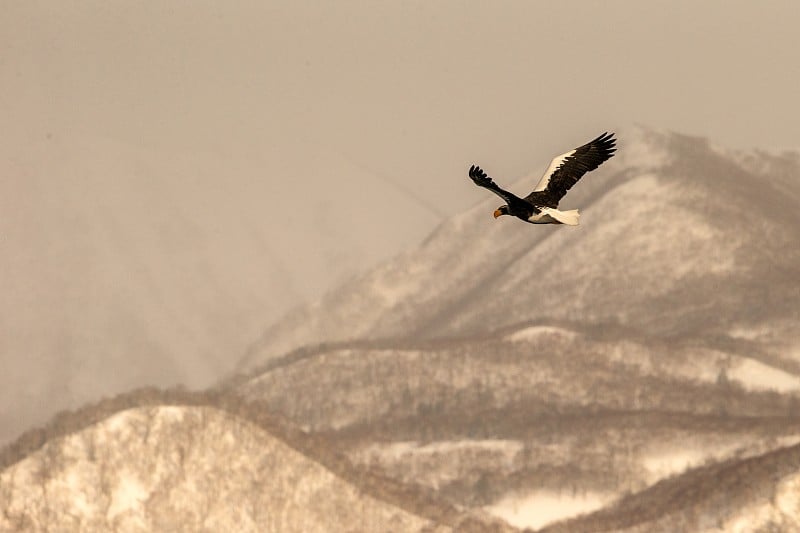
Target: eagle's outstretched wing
x,y
482,180
565,170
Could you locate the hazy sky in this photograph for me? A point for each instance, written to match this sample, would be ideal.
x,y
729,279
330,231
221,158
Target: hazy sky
x,y
413,91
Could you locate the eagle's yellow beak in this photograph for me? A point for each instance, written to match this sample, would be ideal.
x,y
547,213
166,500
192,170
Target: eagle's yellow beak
x,y
497,213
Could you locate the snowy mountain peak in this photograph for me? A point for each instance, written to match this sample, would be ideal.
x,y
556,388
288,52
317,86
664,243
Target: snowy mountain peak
x,y
182,461
666,225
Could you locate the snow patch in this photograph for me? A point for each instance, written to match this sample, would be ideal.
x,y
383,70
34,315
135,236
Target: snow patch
x,y
643,148
787,499
540,508
397,450
118,423
75,484
533,332
664,464
396,284
128,495
171,413
788,440
749,334
755,375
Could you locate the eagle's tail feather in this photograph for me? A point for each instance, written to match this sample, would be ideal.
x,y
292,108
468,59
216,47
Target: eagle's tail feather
x,y
571,218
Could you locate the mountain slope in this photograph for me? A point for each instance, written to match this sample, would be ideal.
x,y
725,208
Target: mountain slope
x,y
759,493
536,413
174,461
678,240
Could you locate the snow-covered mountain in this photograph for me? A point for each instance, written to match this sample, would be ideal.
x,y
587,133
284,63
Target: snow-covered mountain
x,y
536,418
153,461
541,372
760,493
643,368
123,266
679,240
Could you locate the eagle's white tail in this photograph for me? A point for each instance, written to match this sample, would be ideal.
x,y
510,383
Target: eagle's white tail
x,y
571,218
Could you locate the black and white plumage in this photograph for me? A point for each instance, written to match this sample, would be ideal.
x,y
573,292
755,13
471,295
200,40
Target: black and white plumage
x,y
541,206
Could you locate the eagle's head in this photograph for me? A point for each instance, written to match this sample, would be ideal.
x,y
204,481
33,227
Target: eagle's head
x,y
502,210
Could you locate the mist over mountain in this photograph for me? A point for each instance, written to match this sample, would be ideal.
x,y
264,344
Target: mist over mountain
x,y
126,266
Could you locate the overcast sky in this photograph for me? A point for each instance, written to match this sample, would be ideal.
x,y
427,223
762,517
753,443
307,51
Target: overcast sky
x,y
414,91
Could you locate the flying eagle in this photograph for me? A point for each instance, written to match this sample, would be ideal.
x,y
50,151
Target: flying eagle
x,y
541,206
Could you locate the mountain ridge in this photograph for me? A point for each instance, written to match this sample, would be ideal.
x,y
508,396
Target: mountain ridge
x,y
537,408
371,482
713,495
684,246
